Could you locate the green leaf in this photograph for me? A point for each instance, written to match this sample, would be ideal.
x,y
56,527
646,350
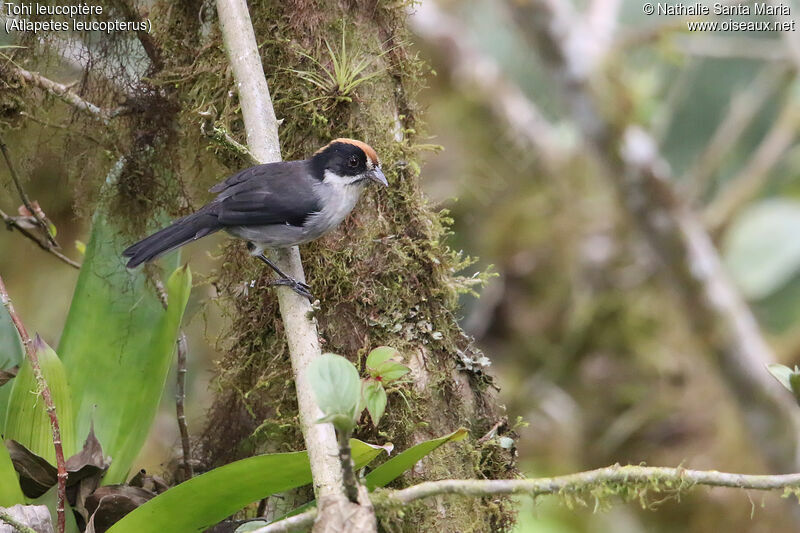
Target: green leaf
x,y
10,493
27,421
11,355
375,399
390,371
337,389
380,355
117,346
761,250
204,500
782,373
394,467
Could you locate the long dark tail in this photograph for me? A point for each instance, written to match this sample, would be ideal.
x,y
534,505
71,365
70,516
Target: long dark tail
x,y
182,231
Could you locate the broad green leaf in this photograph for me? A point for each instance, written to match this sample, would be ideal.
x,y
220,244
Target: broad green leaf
x,y
10,493
27,421
761,249
390,371
206,499
782,373
375,400
117,346
394,467
337,389
11,354
380,355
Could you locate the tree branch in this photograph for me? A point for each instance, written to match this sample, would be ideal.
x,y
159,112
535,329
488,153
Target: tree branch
x,y
653,478
180,388
33,357
301,331
66,95
13,223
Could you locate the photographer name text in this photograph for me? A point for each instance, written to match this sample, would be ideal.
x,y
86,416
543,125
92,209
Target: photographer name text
x,y
698,9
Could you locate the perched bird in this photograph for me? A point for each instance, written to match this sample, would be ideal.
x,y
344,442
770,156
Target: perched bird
x,y
276,205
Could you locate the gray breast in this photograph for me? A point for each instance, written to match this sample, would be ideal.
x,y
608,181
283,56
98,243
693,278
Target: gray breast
x,y
337,201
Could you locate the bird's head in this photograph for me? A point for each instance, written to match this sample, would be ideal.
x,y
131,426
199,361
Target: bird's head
x,y
347,162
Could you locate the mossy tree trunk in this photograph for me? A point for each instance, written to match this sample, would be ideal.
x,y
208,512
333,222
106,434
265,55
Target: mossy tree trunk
x,y
386,277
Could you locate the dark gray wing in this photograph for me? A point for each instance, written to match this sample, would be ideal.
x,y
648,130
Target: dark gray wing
x,y
276,193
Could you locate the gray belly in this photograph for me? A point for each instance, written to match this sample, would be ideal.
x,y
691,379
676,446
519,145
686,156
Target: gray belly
x,y
338,206
273,235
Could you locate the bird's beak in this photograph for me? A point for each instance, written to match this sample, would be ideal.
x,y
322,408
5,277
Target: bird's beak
x,y
377,176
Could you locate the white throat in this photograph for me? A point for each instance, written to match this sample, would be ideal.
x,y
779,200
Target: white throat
x,y
339,195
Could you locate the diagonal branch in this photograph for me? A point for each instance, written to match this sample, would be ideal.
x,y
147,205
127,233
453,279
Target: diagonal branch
x,y
13,223
26,201
64,93
33,357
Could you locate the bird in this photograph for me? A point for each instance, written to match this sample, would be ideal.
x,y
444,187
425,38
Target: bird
x,y
276,205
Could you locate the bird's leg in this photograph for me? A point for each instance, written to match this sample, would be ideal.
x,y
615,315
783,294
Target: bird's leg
x,y
297,286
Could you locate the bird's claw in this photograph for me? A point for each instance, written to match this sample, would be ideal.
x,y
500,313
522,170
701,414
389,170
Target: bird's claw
x,y
297,286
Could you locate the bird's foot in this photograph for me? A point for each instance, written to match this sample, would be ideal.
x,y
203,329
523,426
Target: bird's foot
x,y
297,286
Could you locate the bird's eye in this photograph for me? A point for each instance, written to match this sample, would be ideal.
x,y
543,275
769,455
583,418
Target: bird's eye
x,y
353,162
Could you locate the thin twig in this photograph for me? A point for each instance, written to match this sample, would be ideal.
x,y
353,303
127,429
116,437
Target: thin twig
x,y
33,357
180,399
65,94
13,223
655,479
180,389
35,211
16,524
221,137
